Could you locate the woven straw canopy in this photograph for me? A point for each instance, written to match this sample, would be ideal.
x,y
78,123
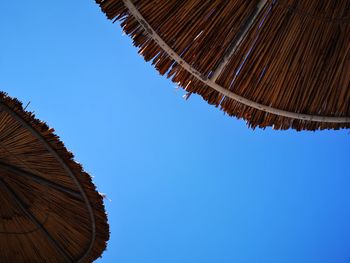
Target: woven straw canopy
x,y
49,208
280,63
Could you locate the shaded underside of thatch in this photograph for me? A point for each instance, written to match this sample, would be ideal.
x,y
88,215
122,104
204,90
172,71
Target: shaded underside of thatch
x,y
50,210
292,67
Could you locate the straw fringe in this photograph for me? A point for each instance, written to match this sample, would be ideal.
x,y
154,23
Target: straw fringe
x,y
66,219
296,58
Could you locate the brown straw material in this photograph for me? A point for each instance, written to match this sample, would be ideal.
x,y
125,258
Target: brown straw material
x,y
50,210
292,67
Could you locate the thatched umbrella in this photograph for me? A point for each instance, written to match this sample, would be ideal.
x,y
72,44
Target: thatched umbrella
x,y
49,208
280,63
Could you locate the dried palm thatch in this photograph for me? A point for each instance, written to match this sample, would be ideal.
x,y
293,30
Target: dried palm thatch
x,y
279,63
49,209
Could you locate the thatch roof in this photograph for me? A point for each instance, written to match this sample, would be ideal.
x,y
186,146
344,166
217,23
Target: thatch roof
x,y
50,210
279,63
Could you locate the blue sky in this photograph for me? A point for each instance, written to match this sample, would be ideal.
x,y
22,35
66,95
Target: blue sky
x,y
186,182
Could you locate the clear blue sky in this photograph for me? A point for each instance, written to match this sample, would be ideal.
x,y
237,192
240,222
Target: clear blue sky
x,y
187,183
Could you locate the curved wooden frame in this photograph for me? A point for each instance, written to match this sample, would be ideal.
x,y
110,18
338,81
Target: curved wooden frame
x,y
153,34
38,136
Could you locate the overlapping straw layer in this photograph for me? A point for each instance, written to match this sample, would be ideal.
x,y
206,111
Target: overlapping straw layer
x,y
295,58
76,222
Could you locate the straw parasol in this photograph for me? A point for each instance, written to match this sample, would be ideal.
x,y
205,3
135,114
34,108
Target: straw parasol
x,y
279,63
50,210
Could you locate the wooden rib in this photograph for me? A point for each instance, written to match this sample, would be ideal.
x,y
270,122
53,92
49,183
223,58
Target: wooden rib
x,y
293,115
35,221
41,180
247,26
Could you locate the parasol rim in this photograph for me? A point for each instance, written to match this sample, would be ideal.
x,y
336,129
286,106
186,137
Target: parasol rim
x,y
195,73
41,131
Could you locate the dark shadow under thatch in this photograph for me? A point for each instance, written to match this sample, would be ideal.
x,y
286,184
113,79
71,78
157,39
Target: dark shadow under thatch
x,y
50,210
284,64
